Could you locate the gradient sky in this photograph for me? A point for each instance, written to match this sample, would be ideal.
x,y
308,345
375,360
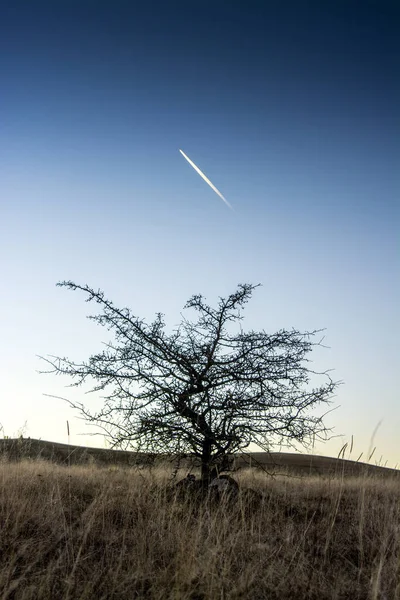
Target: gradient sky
x,y
290,108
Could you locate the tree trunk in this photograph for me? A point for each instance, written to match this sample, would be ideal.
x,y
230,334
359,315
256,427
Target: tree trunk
x,y
206,460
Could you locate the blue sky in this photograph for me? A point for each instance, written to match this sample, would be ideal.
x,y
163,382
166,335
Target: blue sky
x,y
291,109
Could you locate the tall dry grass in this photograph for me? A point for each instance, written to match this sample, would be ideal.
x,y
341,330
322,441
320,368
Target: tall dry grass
x,y
96,533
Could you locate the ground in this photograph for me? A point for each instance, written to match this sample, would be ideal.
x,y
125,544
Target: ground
x,y
115,533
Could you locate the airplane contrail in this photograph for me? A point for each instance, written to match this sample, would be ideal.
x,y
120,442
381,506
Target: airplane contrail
x,y
191,163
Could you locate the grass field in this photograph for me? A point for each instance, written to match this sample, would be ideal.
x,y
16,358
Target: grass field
x,y
109,532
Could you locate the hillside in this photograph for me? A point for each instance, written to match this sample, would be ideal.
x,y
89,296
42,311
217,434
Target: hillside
x,y
296,463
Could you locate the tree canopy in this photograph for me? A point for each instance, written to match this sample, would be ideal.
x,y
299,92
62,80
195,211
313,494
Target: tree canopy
x,y
203,390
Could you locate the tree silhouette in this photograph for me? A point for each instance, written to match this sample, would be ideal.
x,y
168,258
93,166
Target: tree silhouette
x,y
203,390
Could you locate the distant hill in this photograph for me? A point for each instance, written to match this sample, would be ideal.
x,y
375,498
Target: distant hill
x,y
277,462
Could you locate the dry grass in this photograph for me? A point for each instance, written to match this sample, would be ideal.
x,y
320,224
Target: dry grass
x,y
96,533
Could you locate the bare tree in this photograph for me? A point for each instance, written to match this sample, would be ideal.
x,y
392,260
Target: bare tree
x,y
202,390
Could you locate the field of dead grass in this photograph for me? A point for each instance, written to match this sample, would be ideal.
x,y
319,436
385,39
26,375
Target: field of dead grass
x,y
88,532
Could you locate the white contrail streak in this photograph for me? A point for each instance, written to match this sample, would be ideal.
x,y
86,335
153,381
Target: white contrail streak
x,y
191,163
